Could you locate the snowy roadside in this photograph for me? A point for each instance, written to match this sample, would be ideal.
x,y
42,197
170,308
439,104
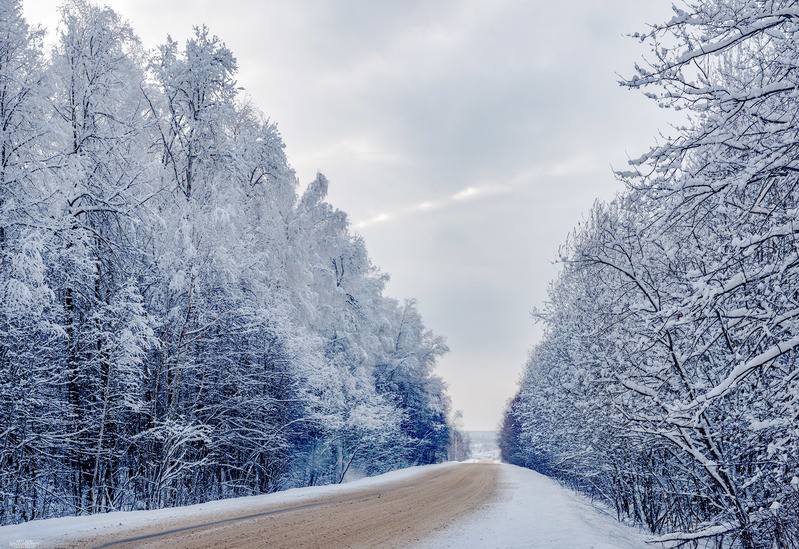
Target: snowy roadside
x,y
529,510
532,510
53,532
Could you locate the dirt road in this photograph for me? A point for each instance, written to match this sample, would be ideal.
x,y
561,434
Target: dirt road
x,y
393,514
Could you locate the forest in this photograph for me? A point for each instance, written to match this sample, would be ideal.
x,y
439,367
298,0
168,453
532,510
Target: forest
x,y
667,381
179,322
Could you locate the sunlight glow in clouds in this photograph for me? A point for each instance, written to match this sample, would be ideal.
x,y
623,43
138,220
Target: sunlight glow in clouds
x,y
426,206
380,218
575,165
469,193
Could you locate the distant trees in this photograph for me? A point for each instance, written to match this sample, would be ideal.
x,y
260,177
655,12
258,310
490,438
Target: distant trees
x,y
460,442
666,381
176,323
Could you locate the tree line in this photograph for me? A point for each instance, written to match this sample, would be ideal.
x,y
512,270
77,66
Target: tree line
x,y
667,380
177,322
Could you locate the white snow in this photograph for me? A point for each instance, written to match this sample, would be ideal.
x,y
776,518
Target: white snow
x,y
530,510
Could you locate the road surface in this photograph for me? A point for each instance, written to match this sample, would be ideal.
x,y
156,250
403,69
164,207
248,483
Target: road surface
x,y
393,514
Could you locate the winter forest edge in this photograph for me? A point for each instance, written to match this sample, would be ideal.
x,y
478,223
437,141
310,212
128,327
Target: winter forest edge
x,y
667,381
176,323
179,324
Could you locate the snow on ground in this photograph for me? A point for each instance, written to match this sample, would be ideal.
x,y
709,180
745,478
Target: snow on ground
x,y
532,510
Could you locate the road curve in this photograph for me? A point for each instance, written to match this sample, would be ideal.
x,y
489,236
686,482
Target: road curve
x,y
394,514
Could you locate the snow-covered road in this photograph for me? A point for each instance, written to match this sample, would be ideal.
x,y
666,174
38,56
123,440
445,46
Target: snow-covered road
x,y
477,505
533,511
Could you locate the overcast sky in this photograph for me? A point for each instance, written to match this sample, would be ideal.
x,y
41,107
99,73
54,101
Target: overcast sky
x,y
464,138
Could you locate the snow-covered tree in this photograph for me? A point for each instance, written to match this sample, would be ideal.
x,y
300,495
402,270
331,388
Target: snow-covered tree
x,y
30,337
176,323
99,178
666,381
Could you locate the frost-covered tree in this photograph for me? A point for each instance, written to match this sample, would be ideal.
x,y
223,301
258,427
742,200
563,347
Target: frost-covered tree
x,y
199,92
99,179
176,323
407,376
672,331
726,189
29,314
